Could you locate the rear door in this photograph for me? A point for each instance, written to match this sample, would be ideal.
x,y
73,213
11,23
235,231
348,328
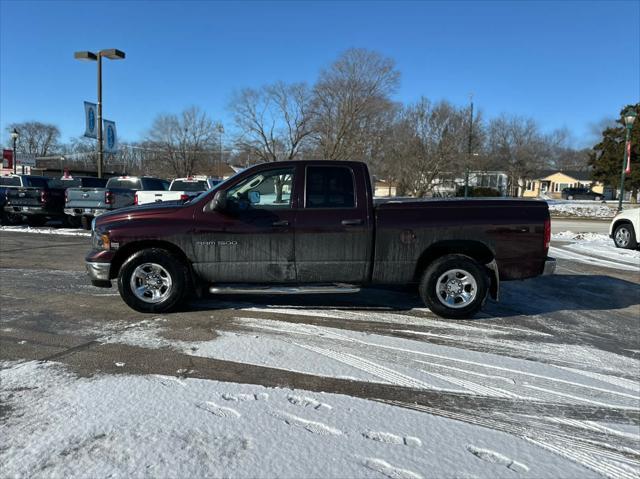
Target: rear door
x,y
252,240
334,227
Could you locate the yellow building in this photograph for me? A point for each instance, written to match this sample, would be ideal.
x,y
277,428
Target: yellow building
x,y
551,183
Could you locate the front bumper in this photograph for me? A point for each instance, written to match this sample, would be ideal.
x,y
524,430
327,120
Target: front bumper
x,y
549,266
99,273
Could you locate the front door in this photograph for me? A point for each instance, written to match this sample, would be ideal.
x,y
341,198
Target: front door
x,y
251,241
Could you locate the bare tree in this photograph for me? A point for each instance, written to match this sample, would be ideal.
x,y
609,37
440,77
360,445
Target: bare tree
x,y
429,145
36,138
349,98
273,121
519,148
184,142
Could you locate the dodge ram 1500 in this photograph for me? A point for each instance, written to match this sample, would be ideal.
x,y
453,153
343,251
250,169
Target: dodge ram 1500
x,y
313,226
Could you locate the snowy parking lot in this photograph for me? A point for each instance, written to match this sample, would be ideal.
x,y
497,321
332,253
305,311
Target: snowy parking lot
x,y
544,383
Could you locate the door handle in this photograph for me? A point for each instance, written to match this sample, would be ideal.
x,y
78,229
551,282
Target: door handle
x,y
352,222
280,223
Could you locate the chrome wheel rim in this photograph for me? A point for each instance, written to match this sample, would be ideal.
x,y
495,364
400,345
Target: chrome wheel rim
x,y
623,235
151,283
456,288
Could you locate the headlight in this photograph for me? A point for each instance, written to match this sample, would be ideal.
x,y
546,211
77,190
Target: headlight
x,y
100,241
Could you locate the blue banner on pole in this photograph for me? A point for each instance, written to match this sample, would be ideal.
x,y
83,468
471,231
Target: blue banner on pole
x,y
110,138
91,120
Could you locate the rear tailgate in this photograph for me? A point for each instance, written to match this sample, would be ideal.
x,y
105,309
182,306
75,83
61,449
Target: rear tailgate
x,y
145,197
80,198
24,196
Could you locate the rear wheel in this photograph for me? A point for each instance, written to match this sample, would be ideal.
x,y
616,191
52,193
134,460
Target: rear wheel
x,y
153,281
624,236
85,221
36,220
73,221
454,286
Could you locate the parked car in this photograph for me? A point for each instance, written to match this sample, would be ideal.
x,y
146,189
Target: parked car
x,y
38,200
580,194
625,228
312,226
181,189
89,202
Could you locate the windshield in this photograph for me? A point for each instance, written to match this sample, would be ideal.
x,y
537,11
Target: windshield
x,y
204,194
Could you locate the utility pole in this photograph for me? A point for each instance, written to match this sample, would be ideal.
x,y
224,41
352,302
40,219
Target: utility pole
x,y
466,173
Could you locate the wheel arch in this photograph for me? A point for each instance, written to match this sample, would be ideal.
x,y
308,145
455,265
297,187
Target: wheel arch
x,y
476,250
620,222
131,248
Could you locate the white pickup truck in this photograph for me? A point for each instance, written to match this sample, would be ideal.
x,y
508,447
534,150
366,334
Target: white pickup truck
x,y
181,189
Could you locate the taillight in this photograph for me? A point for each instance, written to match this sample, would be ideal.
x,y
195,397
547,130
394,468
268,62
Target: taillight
x,y
547,234
44,196
108,197
184,197
135,199
66,196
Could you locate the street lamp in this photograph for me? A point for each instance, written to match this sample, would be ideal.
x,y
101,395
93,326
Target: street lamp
x,y
629,118
220,131
15,134
111,54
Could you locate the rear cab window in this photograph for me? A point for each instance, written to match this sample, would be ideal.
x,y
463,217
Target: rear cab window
x,y
329,187
185,185
155,184
9,181
126,183
37,182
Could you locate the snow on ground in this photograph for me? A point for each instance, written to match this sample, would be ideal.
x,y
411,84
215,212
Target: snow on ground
x,y
45,230
583,209
58,425
595,248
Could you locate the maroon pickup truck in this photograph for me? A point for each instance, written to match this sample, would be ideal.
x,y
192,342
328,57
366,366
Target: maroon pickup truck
x,y
313,226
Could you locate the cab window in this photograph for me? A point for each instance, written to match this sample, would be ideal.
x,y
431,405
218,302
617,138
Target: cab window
x,y
329,187
268,189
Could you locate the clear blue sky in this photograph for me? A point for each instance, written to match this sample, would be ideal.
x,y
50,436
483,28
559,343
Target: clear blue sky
x,y
566,64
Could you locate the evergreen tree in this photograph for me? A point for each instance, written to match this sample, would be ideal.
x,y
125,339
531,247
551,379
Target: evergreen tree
x,y
606,157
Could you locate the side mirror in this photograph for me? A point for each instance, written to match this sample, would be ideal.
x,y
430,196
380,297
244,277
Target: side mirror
x,y
220,201
254,197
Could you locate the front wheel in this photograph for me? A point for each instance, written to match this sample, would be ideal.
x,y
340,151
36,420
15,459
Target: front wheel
x,y
454,286
153,281
625,237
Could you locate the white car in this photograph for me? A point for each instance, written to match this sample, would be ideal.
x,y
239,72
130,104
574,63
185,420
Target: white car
x,y
624,229
180,189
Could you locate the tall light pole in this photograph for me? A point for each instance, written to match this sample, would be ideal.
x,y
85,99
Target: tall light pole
x,y
629,118
220,131
15,134
111,54
466,172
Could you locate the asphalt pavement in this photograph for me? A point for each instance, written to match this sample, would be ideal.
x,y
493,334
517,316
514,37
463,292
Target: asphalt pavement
x,y
577,225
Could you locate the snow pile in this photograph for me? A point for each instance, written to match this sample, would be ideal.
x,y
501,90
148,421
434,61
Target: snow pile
x,y
596,249
58,425
584,209
45,230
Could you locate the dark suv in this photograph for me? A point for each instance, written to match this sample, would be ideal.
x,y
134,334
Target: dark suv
x,y
580,194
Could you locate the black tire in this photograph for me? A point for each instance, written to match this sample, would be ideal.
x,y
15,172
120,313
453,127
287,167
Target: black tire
x,y
36,220
12,219
73,221
624,236
446,265
175,270
85,222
